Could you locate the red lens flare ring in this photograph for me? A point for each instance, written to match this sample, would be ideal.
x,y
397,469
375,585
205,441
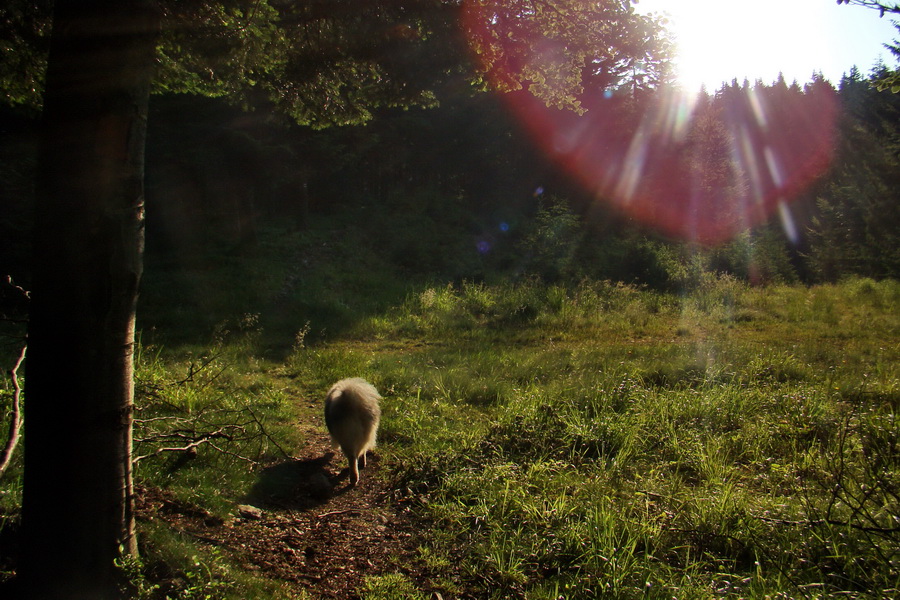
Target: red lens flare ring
x,y
697,168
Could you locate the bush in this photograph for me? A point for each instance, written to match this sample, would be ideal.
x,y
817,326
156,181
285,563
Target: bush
x,y
760,257
552,243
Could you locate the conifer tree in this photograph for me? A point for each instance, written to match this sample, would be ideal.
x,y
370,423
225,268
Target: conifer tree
x,y
855,228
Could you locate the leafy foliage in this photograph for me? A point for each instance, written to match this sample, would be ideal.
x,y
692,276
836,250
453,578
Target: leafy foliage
x,y
560,50
331,63
321,63
25,32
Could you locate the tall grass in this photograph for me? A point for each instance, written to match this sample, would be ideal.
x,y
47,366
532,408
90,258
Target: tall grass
x,y
605,440
575,441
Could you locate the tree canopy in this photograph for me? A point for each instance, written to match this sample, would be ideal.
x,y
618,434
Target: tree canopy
x,y
321,62
331,62
560,51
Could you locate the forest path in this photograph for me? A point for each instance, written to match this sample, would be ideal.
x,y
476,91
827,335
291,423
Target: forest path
x,y
304,524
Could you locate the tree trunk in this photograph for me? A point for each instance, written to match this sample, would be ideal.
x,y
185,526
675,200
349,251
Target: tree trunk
x,y
77,514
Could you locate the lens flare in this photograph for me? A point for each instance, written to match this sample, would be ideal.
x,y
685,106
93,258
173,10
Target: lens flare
x,y
787,223
692,166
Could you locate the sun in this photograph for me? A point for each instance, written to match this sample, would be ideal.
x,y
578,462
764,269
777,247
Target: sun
x,y
769,142
718,41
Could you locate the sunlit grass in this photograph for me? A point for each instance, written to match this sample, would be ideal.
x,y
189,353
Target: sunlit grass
x,y
595,440
603,440
696,462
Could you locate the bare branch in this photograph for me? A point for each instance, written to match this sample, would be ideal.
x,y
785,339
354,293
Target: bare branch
x,y
187,438
205,438
156,419
886,531
25,293
262,429
233,454
16,419
881,7
205,363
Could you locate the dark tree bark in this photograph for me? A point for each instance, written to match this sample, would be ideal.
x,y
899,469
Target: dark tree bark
x,y
77,513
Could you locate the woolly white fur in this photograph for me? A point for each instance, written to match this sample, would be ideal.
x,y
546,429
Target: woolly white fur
x,y
352,414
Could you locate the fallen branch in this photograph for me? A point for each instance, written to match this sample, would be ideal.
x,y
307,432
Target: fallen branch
x,y
191,440
339,512
265,433
16,419
193,370
205,438
885,531
234,455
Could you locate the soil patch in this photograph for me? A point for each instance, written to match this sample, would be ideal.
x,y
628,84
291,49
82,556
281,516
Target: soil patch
x,y
303,523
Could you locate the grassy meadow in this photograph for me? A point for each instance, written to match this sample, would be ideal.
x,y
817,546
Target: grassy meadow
x,y
604,441
557,441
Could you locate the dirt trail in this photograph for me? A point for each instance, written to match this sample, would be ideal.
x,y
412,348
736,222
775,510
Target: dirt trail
x,y
304,524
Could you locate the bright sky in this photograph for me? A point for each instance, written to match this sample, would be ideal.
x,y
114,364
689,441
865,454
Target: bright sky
x,y
720,40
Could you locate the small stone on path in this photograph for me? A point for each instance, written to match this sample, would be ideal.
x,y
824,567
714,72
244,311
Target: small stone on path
x,y
250,512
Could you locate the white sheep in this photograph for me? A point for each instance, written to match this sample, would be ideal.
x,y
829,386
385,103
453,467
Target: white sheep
x,y
352,415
